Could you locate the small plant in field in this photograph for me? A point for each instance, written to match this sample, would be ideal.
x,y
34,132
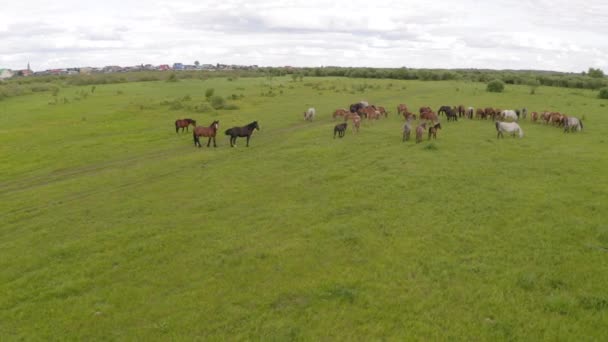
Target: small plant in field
x,y
93,89
431,147
217,102
186,98
172,78
496,86
231,107
603,93
208,93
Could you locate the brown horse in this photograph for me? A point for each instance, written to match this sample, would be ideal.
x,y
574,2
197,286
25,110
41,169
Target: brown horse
x,y
534,116
433,130
340,112
420,131
184,123
208,132
356,122
461,111
401,109
407,115
480,114
431,116
383,111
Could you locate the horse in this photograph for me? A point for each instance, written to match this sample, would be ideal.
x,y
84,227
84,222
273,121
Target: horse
x,y
534,116
461,111
309,114
356,122
524,113
407,129
424,109
444,109
509,114
572,124
408,115
420,131
355,107
383,111
433,130
509,127
208,132
184,123
340,129
429,116
401,108
480,114
470,112
451,114
245,131
340,112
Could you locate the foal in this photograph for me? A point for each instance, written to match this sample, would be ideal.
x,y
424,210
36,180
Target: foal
x,y
433,130
420,131
340,129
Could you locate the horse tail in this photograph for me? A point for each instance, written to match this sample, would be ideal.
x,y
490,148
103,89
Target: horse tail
x,y
581,123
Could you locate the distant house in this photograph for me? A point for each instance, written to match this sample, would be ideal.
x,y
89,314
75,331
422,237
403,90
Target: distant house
x,y
86,70
164,67
178,66
5,73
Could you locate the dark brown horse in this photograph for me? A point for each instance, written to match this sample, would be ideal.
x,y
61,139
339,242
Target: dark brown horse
x,y
208,132
184,123
433,130
245,131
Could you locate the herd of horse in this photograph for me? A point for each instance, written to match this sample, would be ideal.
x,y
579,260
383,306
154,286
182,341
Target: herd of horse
x,y
506,121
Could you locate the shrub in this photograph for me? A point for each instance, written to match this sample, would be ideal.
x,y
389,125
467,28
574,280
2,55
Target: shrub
x,y
203,108
217,102
603,93
209,92
172,78
496,86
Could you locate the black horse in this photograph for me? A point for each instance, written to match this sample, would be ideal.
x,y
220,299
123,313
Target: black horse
x,y
444,110
451,114
355,107
244,131
340,129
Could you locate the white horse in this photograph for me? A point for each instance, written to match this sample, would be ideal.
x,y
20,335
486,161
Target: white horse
x,y
509,127
407,129
572,124
508,114
470,112
309,114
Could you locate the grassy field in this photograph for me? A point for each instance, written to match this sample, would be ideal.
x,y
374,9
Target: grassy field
x,y
115,227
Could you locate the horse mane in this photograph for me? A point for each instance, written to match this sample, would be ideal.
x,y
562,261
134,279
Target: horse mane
x,y
252,125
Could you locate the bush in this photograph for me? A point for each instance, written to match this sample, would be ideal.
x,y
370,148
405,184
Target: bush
x,y
203,108
209,92
496,86
603,93
172,78
217,102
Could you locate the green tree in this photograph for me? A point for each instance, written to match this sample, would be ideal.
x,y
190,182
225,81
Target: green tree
x,y
603,93
595,73
496,86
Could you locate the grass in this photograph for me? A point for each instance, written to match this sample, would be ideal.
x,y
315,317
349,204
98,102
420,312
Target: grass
x,y
115,227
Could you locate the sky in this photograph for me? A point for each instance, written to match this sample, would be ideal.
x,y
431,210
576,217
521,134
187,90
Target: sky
x,y
559,35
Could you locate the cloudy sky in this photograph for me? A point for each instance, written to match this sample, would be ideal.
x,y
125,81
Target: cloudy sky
x,y
543,34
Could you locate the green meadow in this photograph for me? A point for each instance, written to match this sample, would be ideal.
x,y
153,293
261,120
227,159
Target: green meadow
x,y
114,227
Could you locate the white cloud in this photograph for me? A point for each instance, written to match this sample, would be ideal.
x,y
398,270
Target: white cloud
x,y
561,35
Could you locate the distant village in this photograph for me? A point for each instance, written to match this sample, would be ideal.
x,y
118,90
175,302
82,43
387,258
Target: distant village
x,y
8,73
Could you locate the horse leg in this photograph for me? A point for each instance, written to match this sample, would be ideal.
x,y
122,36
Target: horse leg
x,y
248,140
176,128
